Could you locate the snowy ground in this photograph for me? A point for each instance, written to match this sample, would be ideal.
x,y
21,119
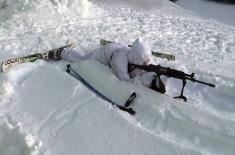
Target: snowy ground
x,y
43,110
221,12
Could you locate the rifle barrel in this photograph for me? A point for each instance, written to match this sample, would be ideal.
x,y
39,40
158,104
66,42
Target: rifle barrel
x,y
170,73
202,82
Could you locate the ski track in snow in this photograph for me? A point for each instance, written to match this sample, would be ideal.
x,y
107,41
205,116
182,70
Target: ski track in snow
x,y
204,125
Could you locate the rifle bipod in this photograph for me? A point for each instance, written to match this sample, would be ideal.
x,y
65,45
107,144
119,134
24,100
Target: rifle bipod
x,y
182,91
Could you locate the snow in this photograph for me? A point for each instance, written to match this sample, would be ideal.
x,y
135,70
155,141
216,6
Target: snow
x,y
43,110
221,12
13,141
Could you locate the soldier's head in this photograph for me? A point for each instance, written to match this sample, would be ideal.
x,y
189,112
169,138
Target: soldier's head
x,y
140,53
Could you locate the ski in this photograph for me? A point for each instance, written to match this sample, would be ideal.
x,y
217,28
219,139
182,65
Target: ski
x,y
7,64
75,74
169,57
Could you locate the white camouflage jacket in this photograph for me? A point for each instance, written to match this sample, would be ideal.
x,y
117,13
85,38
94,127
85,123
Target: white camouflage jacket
x,y
117,57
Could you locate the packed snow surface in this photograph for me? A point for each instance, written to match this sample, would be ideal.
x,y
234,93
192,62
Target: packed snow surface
x,y
44,110
214,9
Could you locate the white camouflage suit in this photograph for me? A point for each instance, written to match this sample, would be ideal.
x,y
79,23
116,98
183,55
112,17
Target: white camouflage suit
x,y
117,57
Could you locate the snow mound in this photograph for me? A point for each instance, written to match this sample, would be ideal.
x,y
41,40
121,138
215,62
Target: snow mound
x,y
14,142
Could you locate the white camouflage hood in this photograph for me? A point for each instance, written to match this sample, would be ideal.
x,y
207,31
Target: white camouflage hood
x,y
140,53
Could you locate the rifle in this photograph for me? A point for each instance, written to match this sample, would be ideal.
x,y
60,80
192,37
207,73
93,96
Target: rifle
x,y
159,70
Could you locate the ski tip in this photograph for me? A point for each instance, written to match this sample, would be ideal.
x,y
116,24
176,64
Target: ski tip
x,y
5,66
72,45
2,70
